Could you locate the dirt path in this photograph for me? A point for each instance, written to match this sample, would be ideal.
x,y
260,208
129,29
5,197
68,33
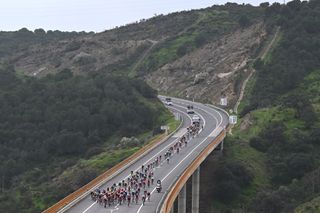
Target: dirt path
x,y
262,55
267,49
133,71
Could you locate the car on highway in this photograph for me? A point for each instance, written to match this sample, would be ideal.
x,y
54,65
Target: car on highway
x,y
190,109
195,119
168,102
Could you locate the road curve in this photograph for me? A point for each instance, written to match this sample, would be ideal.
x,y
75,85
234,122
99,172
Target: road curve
x,y
213,121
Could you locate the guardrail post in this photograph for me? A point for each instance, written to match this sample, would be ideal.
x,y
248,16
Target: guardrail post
x,y
182,200
195,190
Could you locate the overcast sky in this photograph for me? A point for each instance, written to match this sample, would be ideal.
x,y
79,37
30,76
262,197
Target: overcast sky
x,y
91,15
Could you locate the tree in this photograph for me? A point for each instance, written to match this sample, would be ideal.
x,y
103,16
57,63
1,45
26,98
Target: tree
x,y
227,191
264,4
183,49
244,21
299,164
200,40
40,32
260,144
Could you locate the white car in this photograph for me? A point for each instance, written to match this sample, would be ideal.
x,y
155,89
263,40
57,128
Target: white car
x,y
196,119
168,102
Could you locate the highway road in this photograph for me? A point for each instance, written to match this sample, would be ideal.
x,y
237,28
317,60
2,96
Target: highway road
x,y
213,122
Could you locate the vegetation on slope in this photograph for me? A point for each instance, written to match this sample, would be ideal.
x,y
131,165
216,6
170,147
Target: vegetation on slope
x,y
13,42
296,55
277,138
59,132
209,25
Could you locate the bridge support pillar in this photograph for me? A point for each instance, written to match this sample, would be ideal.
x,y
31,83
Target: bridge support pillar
x,y
172,209
182,200
220,146
196,190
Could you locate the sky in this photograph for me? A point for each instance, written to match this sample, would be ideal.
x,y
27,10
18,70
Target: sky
x,y
92,15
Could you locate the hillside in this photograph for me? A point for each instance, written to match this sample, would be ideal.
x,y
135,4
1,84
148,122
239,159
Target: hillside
x,y
87,85
61,131
271,160
199,54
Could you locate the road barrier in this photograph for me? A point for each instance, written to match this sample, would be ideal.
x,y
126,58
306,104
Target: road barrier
x,y
79,194
183,178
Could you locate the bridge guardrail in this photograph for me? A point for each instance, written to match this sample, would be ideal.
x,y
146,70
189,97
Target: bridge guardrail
x,y
167,202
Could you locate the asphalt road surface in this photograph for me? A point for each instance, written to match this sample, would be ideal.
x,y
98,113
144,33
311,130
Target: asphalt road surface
x,y
213,122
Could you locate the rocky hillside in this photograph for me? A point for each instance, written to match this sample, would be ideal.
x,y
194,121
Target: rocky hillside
x,y
199,54
213,70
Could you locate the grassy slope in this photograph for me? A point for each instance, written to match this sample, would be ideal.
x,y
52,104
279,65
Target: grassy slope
x,y
239,150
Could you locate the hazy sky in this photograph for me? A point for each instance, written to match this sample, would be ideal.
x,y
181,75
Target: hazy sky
x,y
91,15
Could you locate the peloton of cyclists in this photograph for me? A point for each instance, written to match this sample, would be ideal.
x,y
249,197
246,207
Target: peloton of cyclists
x,y
131,189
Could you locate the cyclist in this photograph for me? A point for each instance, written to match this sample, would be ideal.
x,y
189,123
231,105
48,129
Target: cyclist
x,y
143,199
137,197
148,195
129,199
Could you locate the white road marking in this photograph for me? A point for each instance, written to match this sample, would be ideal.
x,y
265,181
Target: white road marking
x,y
115,209
89,207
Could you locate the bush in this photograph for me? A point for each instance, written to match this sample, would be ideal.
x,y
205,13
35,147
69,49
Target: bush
x,y
299,164
259,144
72,46
227,191
244,21
200,39
230,178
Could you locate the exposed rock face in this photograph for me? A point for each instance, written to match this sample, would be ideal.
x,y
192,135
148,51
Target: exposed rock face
x,y
212,70
200,77
83,58
90,53
129,142
247,121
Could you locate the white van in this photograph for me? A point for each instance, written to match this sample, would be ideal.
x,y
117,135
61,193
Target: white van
x,y
168,102
195,119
